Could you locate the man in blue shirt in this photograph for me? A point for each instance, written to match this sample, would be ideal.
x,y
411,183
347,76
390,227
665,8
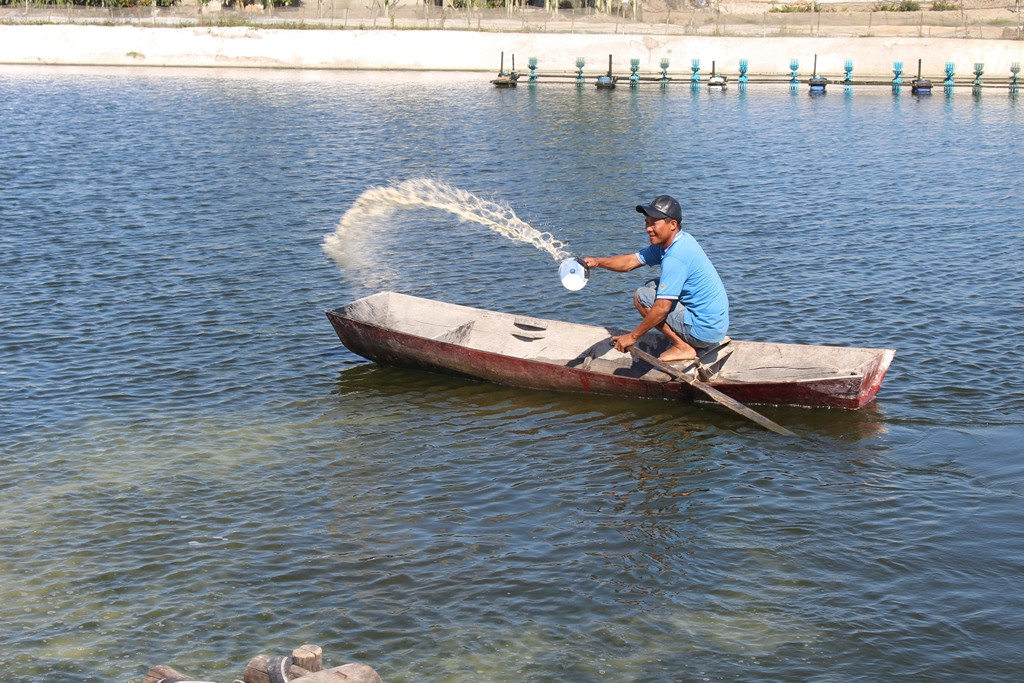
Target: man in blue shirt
x,y
688,303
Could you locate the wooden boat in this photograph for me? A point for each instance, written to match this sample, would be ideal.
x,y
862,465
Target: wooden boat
x,y
535,353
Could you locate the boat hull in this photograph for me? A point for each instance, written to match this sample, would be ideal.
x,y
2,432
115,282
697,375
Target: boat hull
x,y
543,354
404,350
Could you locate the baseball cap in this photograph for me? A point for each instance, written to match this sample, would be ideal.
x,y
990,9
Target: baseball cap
x,y
663,206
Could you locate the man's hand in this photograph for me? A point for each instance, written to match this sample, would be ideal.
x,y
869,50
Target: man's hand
x,y
624,341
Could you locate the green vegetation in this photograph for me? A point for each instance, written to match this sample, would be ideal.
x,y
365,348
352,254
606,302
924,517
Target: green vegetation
x,y
901,6
943,6
798,7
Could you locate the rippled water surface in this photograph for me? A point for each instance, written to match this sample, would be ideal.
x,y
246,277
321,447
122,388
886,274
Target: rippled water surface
x,y
194,471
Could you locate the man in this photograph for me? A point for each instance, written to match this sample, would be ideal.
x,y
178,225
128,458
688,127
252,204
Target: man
x,y
688,303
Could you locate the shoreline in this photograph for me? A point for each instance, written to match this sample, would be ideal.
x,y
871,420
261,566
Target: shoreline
x,y
447,50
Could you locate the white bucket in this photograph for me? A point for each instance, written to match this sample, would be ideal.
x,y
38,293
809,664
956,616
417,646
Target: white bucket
x,y
574,274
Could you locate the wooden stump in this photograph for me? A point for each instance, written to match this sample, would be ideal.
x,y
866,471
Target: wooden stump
x,y
309,657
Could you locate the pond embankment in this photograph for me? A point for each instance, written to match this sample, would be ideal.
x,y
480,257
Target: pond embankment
x,y
482,50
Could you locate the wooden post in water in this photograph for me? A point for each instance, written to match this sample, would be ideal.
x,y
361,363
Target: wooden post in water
x,y
920,86
817,82
309,657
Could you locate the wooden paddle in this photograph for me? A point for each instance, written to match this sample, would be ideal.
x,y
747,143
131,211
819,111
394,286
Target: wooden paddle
x,y
711,392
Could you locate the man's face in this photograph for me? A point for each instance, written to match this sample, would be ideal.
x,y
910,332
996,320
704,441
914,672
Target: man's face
x,y
661,231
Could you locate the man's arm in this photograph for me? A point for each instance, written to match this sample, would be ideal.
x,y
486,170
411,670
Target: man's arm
x,y
655,317
620,264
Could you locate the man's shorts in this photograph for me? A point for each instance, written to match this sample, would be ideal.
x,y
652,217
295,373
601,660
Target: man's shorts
x,y
647,294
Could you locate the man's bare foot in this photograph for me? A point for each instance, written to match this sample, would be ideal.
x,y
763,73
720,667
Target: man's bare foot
x,y
678,353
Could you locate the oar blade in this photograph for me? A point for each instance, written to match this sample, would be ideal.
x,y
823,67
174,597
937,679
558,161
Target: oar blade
x,y
711,392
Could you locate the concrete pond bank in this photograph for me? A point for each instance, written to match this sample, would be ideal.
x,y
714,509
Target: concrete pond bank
x,y
482,51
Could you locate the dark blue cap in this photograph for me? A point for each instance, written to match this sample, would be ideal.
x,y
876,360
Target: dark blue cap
x,y
663,206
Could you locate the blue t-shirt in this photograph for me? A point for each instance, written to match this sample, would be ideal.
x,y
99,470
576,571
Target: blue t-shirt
x,y
688,276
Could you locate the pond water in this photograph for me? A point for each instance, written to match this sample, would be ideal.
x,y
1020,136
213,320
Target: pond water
x,y
194,471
